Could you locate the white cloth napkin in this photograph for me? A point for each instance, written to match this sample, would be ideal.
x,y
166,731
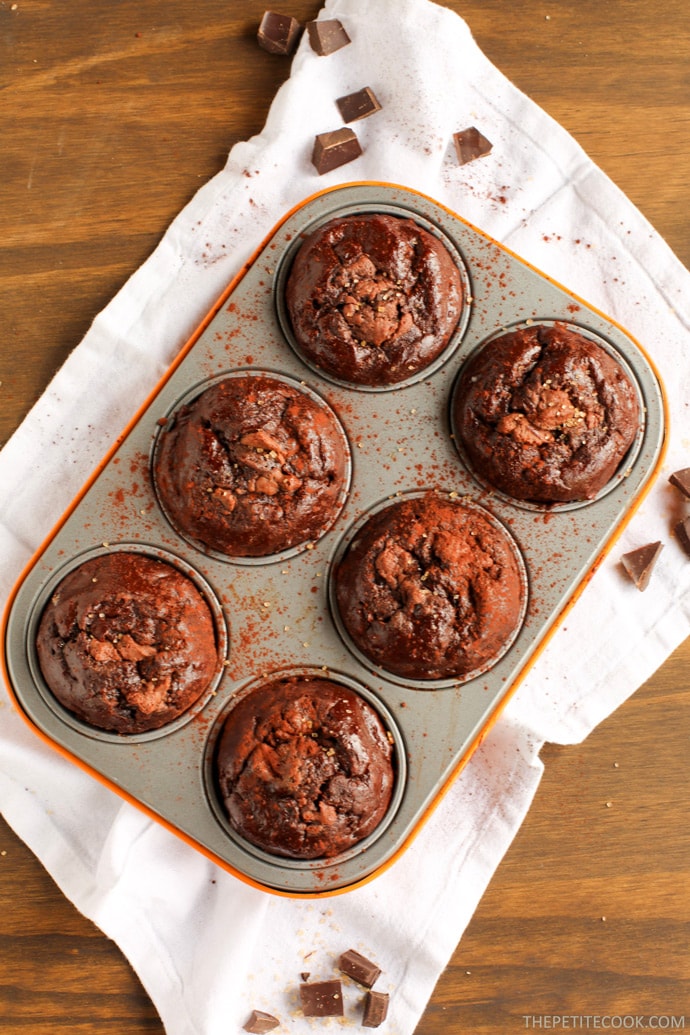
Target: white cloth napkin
x,y
207,947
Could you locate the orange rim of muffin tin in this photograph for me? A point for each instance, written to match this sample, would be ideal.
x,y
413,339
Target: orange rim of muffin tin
x,y
498,709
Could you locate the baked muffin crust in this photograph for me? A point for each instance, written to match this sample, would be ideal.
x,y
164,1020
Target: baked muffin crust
x,y
430,588
127,642
304,767
253,466
545,414
373,299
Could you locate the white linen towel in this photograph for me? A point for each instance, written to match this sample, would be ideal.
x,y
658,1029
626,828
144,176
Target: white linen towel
x,y
209,948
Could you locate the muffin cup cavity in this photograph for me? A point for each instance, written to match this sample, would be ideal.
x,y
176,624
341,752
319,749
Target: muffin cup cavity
x,y
251,467
518,431
429,588
101,644
375,314
304,769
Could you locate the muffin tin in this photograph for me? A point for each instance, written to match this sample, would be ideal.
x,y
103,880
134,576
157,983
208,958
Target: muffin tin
x,y
276,615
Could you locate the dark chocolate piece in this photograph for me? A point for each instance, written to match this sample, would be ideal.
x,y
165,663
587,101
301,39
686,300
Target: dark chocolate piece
x,y
259,1022
640,563
683,533
470,144
278,33
327,35
322,998
681,480
358,105
334,149
359,967
375,1009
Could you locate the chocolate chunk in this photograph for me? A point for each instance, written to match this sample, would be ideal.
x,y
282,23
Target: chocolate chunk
x,y
322,998
681,480
334,149
470,144
327,35
375,1009
683,533
640,563
359,967
278,33
358,105
259,1022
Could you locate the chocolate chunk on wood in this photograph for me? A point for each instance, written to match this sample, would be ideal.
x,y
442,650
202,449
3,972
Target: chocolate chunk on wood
x,y
327,35
259,1022
278,33
375,1009
683,533
335,148
359,967
470,144
358,105
681,480
322,998
639,563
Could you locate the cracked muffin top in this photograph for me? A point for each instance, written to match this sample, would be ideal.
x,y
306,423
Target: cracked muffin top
x,y
304,767
127,642
430,588
545,414
252,466
373,299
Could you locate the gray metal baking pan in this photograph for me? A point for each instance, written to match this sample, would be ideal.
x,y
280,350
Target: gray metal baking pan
x,y
275,616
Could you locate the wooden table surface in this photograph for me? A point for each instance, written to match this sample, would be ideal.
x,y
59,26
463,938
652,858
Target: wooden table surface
x,y
111,117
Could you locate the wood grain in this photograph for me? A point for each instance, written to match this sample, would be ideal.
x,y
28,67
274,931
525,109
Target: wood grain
x,y
111,117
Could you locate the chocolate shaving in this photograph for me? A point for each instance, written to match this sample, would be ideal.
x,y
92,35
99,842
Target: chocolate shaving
x,y
259,1022
278,33
681,480
470,144
327,35
334,149
322,998
375,1009
359,967
358,105
639,563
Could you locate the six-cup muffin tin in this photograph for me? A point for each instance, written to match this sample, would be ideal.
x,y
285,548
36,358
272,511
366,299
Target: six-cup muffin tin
x,y
275,615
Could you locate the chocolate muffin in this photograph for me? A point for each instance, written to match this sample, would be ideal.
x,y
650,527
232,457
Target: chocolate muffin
x,y
373,299
127,642
430,588
253,466
544,414
304,766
